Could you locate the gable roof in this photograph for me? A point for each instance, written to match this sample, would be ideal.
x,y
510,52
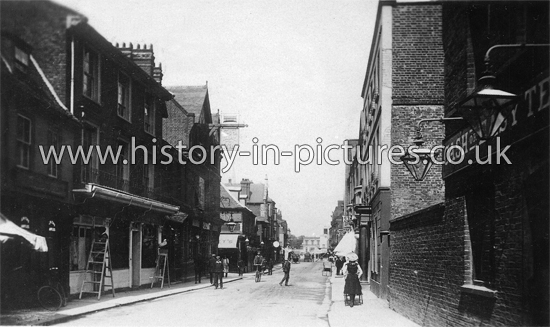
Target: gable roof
x,y
230,202
191,98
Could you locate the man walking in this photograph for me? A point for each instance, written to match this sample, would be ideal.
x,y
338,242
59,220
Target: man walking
x,y
218,273
286,271
211,267
198,269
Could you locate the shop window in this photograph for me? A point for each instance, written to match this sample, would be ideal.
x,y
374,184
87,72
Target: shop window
x,y
149,246
23,141
119,240
81,243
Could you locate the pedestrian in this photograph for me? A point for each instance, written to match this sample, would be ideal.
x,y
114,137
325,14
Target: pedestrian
x,y
211,266
218,273
240,266
339,265
270,266
352,272
225,262
198,269
286,271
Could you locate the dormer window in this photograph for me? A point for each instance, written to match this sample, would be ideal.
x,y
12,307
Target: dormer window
x,y
21,59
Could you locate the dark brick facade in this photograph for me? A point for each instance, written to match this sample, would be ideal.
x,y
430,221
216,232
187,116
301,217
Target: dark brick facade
x,y
482,257
417,54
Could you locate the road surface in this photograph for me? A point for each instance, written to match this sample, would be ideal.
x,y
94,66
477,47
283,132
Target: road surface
x,y
305,302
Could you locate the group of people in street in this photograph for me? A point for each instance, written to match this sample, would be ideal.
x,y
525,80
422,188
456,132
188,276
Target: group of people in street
x,y
217,268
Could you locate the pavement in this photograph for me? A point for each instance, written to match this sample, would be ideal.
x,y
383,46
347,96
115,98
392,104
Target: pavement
x,y
77,308
373,311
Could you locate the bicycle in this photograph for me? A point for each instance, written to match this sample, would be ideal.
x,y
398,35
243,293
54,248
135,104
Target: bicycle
x,y
258,274
52,296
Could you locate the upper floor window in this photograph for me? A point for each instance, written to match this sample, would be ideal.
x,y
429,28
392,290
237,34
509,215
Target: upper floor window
x,y
90,167
149,111
23,141
90,84
21,59
53,141
124,91
149,178
123,167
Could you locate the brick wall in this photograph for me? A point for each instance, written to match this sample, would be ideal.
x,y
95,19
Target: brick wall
x,y
408,195
46,35
417,55
426,264
417,79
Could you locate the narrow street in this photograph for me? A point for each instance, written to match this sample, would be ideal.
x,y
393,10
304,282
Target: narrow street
x,y
305,302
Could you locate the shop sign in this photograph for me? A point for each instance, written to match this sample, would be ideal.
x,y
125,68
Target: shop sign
x,y
468,148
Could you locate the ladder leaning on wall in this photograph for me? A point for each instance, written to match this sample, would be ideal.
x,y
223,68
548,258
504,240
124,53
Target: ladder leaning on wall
x,y
98,268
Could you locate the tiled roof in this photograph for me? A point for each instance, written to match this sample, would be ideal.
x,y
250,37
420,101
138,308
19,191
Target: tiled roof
x,y
191,98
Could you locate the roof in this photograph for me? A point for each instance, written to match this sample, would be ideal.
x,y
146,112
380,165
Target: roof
x,y
227,201
256,193
35,85
191,98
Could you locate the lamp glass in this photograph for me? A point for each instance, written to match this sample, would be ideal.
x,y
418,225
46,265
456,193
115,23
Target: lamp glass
x,y
486,110
418,164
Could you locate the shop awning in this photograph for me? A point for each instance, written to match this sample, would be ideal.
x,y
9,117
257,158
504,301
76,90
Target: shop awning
x,y
103,192
346,245
228,241
9,230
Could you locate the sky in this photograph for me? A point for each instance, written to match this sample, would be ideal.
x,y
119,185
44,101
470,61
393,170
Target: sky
x,y
292,70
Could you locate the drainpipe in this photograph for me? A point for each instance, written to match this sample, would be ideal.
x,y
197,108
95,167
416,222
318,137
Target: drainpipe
x,y
72,75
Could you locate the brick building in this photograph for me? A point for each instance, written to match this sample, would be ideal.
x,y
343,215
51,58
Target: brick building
x,y
188,124
116,95
34,195
336,230
403,84
481,257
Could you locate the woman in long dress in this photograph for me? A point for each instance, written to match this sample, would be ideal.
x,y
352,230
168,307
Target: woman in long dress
x,y
352,273
225,262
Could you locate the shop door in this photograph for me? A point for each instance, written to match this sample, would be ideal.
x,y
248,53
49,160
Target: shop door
x,y
135,261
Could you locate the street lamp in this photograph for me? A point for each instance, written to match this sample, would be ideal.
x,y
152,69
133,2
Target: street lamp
x,y
231,224
487,109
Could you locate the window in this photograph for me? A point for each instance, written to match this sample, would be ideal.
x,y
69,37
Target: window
x,y
149,178
21,59
81,242
90,165
149,115
53,141
480,213
90,83
123,168
149,246
123,108
23,141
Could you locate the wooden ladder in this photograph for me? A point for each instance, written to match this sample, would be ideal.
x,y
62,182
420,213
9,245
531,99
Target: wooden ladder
x,y
98,268
160,269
